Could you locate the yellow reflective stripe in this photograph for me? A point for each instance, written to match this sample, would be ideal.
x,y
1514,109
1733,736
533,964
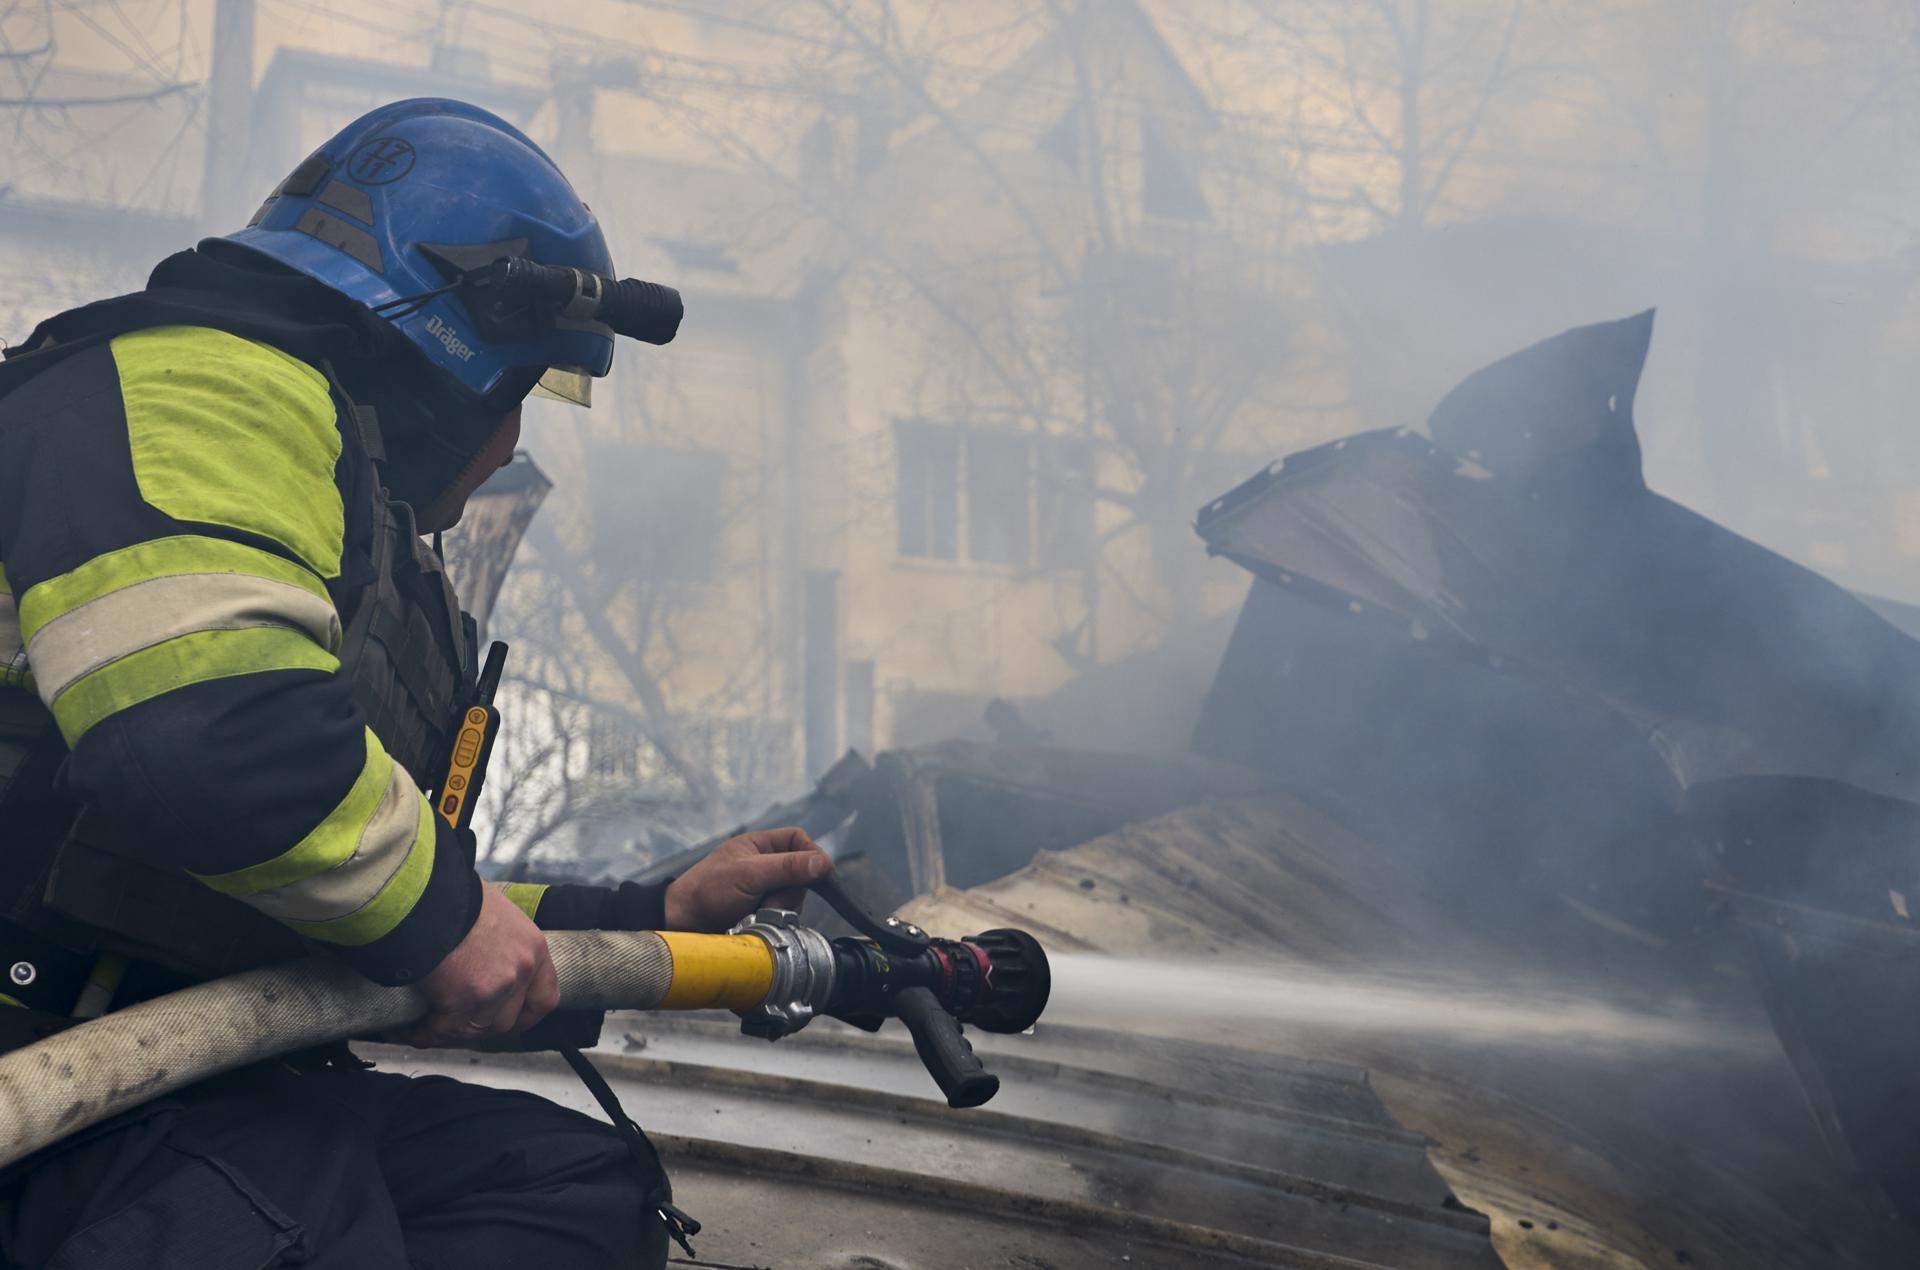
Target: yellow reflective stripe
x,y
190,659
526,896
226,431
333,841
159,558
394,901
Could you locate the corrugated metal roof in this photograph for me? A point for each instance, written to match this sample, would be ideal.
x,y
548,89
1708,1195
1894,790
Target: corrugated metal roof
x,y
1101,1146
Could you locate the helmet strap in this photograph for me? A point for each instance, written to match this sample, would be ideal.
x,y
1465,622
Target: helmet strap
x,y
445,510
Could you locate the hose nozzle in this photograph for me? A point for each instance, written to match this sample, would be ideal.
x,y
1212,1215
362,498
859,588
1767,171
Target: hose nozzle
x,y
997,980
1018,981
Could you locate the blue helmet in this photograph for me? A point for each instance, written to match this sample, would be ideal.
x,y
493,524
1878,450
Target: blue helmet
x,y
398,203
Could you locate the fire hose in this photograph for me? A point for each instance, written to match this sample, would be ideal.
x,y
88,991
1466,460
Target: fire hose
x,y
776,974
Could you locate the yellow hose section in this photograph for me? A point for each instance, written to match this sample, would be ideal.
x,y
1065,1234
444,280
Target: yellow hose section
x,y
734,972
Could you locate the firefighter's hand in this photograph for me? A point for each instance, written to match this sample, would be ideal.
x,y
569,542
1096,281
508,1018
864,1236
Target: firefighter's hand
x,y
498,980
765,869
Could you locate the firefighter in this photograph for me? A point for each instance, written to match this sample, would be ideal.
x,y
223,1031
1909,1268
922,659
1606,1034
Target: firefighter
x,y
230,660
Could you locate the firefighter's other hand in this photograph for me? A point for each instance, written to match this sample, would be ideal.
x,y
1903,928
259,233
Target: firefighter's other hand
x,y
768,868
498,980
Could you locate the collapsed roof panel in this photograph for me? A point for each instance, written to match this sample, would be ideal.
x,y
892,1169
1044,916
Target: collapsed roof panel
x,y
1538,547
1448,755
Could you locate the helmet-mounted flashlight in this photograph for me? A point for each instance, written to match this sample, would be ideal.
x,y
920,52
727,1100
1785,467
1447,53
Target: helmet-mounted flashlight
x,y
514,300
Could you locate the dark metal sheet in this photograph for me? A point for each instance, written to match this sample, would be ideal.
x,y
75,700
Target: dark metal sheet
x,y
1825,881
1539,551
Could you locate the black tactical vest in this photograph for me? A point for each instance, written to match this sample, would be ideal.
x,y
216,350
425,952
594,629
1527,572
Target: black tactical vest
x,y
408,644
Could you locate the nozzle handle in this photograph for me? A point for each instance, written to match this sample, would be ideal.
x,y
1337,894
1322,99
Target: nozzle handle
x,y
895,936
948,1057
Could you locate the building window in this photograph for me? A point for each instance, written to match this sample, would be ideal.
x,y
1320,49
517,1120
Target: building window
x,y
613,747
1011,497
929,490
999,497
874,122
815,153
1063,493
858,705
1169,184
1063,140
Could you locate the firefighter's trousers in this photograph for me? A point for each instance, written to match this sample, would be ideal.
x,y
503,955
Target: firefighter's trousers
x,y
333,1169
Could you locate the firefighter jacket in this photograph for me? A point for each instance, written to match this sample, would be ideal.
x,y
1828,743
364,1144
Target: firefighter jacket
x,y
229,649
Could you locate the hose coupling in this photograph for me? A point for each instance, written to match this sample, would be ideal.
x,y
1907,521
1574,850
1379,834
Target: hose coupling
x,y
802,974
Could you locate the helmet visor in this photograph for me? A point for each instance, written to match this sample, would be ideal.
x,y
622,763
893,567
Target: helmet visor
x,y
573,384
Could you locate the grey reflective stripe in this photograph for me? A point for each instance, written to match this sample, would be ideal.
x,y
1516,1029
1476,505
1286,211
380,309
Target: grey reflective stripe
x,y
334,232
351,885
342,197
124,621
